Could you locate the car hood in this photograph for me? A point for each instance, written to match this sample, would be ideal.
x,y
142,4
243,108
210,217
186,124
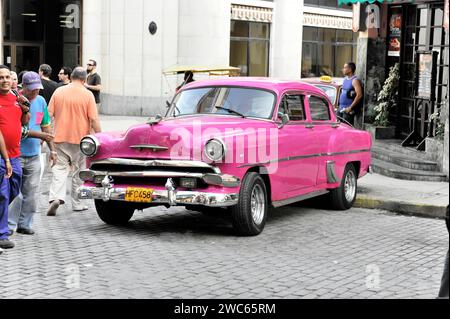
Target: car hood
x,y
175,138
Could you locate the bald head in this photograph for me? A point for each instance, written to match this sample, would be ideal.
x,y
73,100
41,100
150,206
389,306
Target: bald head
x,y
79,74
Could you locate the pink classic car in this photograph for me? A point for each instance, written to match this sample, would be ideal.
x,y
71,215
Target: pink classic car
x,y
237,146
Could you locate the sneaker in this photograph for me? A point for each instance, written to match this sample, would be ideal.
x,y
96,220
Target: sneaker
x,y
6,244
25,231
53,208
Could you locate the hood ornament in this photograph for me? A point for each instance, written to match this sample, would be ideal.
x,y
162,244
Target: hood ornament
x,y
154,120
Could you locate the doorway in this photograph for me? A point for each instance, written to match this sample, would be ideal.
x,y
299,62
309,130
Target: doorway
x,y
22,56
422,31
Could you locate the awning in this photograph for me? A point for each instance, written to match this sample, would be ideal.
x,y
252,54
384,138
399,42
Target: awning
x,y
216,70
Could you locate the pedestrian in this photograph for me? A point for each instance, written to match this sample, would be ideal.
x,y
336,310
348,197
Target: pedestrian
x,y
20,79
351,94
94,81
444,291
64,76
4,173
23,208
188,78
75,116
13,115
45,71
14,81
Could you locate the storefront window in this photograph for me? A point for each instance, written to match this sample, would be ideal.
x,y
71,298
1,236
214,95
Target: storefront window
x,y
327,3
249,47
325,51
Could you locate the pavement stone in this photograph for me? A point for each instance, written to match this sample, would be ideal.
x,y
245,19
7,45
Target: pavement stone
x,y
304,252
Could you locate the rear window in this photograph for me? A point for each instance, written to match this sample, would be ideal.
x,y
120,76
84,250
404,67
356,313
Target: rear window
x,y
319,108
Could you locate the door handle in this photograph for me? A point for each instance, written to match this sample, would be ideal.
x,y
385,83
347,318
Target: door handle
x,y
310,126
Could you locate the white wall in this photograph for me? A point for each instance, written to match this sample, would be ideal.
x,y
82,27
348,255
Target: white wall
x,y
204,32
130,59
194,32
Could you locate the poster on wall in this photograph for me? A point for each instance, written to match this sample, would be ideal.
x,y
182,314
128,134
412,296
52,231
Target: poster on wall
x,y
395,33
425,74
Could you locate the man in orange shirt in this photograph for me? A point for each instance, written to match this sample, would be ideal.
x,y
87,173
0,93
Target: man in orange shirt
x,y
75,116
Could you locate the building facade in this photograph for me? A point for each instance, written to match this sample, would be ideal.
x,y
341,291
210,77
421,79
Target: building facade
x,y
279,38
414,35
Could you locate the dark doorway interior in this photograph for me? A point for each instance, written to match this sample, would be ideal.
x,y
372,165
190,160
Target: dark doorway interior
x,y
422,31
41,31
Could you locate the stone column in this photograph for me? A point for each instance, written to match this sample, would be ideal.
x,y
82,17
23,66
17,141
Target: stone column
x,y
286,41
204,32
92,32
371,62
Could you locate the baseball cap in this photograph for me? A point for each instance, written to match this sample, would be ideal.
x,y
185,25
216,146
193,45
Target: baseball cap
x,y
32,81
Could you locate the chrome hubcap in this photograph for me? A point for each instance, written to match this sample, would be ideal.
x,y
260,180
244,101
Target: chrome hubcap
x,y
258,204
350,186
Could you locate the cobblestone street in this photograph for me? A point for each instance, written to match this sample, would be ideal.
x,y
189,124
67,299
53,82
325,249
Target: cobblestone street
x,y
303,253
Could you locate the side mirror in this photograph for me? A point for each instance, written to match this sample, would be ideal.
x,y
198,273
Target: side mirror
x,y
168,104
284,120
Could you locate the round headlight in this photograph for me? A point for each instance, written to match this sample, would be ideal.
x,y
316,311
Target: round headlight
x,y
215,150
89,146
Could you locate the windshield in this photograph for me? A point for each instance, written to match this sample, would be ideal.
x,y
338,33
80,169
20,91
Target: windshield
x,y
246,102
329,90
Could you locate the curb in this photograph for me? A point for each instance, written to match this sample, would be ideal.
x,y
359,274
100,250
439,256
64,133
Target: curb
x,y
404,208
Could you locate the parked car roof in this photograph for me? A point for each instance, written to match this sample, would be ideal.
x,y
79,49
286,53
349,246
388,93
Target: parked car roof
x,y
272,84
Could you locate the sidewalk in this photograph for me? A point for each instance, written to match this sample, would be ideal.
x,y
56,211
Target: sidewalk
x,y
426,199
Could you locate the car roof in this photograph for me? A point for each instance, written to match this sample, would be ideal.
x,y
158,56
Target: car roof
x,y
271,84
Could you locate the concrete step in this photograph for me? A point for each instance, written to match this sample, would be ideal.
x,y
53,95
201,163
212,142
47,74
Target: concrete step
x,y
403,160
399,172
395,146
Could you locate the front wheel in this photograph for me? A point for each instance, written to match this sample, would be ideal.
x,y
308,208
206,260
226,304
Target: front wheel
x,y
344,197
250,214
114,213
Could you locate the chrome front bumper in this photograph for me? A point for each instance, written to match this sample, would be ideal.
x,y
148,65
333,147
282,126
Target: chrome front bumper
x,y
170,196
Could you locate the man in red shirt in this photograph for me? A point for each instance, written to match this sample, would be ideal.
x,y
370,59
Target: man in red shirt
x,y
13,115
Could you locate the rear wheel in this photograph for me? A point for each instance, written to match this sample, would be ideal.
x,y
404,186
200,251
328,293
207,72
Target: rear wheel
x,y
114,213
250,214
344,197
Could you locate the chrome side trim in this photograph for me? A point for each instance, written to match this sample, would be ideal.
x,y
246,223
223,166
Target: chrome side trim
x,y
294,158
162,197
289,201
331,173
155,148
156,163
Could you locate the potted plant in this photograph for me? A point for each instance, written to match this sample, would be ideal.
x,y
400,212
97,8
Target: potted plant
x,y
387,99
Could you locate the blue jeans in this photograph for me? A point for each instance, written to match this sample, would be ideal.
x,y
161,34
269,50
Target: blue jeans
x,y
23,208
9,189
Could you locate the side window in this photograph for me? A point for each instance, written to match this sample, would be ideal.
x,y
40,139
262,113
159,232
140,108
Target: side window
x,y
293,105
319,109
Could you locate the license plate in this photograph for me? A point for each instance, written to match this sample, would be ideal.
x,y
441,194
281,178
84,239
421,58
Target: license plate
x,y
139,195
